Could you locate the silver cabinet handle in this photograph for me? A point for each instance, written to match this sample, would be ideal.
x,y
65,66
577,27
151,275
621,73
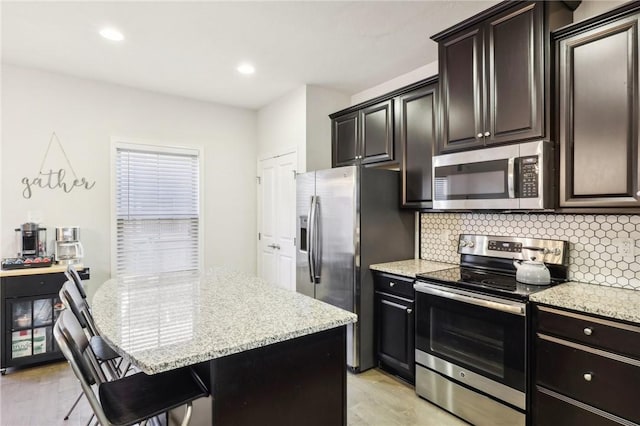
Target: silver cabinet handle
x,y
588,331
391,284
409,311
511,164
273,246
487,134
587,376
479,135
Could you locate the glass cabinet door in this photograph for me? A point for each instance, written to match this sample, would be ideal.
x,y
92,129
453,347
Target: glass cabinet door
x,y
31,321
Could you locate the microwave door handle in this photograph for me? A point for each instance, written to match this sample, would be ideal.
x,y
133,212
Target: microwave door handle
x,y
511,177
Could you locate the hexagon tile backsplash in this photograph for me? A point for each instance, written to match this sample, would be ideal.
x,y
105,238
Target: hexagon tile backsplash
x,y
593,255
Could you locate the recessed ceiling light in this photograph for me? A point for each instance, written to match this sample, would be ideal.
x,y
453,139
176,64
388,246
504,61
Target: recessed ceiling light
x,y
246,69
111,34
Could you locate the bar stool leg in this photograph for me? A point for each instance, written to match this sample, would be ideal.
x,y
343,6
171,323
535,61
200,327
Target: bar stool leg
x,y
73,406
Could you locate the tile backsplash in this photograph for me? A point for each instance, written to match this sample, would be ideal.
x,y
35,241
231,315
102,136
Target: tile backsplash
x,y
593,250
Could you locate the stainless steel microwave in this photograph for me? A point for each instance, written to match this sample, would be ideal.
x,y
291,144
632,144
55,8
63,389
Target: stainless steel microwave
x,y
511,177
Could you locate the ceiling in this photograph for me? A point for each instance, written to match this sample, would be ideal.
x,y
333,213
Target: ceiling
x,y
191,49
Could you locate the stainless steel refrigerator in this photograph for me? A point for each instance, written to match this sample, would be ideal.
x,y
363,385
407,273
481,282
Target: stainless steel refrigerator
x,y
347,219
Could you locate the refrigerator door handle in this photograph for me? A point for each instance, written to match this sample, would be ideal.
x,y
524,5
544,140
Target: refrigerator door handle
x,y
310,240
317,238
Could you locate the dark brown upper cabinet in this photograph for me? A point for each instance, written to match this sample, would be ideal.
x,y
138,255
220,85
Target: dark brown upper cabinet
x,y
494,75
598,90
344,136
417,122
364,135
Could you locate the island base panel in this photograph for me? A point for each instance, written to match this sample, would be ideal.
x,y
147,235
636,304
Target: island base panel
x,y
299,381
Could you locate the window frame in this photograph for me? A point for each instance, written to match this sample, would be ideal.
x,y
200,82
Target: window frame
x,y
158,146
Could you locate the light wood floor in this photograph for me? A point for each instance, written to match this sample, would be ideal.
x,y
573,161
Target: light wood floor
x,y
40,396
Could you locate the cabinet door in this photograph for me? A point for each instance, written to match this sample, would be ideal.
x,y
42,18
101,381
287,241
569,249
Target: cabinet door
x,y
376,133
417,136
598,78
461,90
344,137
514,76
395,338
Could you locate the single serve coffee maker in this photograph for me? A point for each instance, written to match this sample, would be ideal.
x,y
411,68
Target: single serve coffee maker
x,y
31,240
69,250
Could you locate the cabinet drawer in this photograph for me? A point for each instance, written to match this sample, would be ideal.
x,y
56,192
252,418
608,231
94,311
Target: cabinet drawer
x,y
617,337
394,284
554,409
32,285
604,380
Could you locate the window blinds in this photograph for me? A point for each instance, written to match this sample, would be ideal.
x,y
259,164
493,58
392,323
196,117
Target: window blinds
x,y
157,211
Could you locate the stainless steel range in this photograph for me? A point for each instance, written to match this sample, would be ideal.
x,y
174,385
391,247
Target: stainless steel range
x,y
472,328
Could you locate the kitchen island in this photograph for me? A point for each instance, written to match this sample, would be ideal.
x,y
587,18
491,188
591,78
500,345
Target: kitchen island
x,y
268,355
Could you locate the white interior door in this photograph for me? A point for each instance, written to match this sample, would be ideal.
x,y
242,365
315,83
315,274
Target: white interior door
x,y
276,224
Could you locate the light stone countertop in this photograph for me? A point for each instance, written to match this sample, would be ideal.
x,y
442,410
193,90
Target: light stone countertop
x,y
409,268
168,321
612,302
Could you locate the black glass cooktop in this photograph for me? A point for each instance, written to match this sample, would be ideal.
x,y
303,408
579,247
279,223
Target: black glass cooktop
x,y
483,281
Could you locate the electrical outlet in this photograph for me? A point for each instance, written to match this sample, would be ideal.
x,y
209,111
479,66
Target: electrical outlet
x,y
626,248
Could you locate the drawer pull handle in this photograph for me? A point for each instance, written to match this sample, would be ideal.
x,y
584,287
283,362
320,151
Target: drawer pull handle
x,y
588,331
391,283
409,311
587,376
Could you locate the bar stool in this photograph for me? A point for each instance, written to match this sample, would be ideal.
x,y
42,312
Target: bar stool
x,y
131,399
104,354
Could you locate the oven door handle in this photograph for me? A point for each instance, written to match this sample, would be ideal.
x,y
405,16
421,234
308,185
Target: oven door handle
x,y
489,302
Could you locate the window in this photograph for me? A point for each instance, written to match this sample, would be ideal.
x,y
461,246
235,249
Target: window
x,y
157,209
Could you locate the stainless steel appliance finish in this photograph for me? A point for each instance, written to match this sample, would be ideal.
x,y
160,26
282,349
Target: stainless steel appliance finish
x,y
506,247
464,402
340,214
31,240
512,177
472,326
68,233
68,249
489,302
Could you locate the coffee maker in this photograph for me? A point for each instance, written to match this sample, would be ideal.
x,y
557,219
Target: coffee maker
x,y
69,250
31,240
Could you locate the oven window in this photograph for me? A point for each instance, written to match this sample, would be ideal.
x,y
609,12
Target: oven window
x,y
469,340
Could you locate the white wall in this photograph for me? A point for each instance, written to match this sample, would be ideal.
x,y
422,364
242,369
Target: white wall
x,y
320,103
300,121
588,8
85,114
282,126
406,79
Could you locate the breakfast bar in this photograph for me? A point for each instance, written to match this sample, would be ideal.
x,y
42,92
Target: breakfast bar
x,y
267,355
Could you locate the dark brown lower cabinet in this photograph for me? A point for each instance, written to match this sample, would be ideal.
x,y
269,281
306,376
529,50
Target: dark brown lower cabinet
x,y
395,339
583,376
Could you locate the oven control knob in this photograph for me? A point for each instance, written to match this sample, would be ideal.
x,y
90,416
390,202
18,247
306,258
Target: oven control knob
x,y
463,243
462,374
470,244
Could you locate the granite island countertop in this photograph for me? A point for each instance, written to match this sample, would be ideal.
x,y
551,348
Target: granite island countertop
x,y
168,321
612,302
409,268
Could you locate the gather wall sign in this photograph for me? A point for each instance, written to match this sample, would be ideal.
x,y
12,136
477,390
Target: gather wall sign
x,y
55,179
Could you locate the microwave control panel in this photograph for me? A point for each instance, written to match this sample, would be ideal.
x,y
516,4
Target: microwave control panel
x,y
528,187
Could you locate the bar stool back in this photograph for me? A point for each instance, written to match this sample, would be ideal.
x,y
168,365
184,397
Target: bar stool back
x,y
129,400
